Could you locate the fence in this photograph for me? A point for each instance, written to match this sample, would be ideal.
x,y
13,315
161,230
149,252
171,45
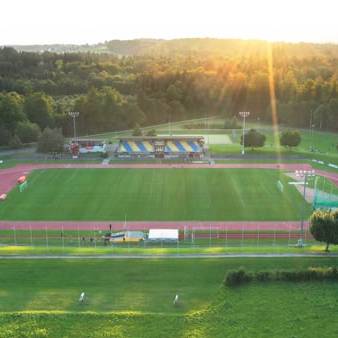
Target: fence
x,y
190,236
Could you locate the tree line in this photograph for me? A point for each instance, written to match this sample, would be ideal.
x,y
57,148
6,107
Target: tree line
x,y
118,92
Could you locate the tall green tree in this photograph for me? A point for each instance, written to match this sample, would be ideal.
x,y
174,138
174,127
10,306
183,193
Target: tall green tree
x,y
11,110
324,227
290,138
253,139
39,109
51,140
28,132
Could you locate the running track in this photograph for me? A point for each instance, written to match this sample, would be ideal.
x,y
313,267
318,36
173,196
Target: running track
x,y
9,176
188,225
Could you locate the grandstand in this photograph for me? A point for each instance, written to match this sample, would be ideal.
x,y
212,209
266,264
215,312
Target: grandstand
x,y
161,147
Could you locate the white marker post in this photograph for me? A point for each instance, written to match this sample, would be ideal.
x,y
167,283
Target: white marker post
x,y
175,300
82,298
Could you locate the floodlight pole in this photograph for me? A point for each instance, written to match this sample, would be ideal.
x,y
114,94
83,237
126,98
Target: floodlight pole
x,y
312,125
306,174
243,114
74,115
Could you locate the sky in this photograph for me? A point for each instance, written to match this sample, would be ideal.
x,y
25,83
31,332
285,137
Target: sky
x,y
91,21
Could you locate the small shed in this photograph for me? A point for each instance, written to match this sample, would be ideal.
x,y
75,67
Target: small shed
x,y
163,235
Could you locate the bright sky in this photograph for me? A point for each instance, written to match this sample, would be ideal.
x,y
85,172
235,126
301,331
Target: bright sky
x,y
92,21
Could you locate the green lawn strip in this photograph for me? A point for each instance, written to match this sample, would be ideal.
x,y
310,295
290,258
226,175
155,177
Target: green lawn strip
x,y
87,239
134,299
154,195
241,247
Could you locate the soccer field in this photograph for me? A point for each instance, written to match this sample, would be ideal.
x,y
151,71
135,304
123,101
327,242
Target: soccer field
x,y
134,298
154,194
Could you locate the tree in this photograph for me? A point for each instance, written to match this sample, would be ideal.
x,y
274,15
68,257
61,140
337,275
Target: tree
x,y
5,136
253,139
39,109
15,142
151,132
137,131
28,131
290,138
51,140
324,227
11,110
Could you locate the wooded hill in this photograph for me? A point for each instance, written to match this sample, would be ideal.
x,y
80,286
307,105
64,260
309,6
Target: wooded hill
x,y
162,80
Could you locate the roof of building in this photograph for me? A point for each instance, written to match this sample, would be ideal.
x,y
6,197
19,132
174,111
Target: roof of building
x,y
157,138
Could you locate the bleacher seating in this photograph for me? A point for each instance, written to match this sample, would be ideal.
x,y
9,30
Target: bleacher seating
x,y
182,147
170,146
131,147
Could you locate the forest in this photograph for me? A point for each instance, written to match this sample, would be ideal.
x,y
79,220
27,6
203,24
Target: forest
x,y
120,84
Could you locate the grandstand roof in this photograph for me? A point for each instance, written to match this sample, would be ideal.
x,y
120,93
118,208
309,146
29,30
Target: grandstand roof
x,y
164,137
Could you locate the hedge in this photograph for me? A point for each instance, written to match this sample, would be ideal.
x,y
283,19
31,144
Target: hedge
x,y
240,276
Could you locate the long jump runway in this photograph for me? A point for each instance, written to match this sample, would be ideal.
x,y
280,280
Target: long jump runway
x,y
8,178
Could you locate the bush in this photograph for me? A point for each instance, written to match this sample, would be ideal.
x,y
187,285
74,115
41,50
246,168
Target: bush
x,y
28,132
290,138
51,140
151,132
137,131
253,139
235,278
15,142
263,276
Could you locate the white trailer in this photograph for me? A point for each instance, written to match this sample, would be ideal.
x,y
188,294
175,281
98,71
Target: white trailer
x,y
163,235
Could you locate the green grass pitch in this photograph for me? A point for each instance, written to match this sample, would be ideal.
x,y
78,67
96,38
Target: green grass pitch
x,y
150,194
134,298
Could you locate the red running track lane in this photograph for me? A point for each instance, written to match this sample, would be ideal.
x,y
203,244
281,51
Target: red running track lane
x,y
189,225
9,176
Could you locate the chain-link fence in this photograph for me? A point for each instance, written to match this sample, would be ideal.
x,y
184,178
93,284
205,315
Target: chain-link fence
x,y
189,236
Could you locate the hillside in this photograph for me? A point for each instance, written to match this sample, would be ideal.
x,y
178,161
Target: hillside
x,y
205,46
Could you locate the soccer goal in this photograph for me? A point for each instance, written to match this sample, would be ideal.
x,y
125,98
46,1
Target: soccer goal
x,y
325,194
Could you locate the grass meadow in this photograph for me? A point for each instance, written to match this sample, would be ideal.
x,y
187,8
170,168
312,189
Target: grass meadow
x,y
134,298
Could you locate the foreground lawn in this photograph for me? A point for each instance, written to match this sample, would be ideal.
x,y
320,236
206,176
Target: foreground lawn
x,y
133,298
150,194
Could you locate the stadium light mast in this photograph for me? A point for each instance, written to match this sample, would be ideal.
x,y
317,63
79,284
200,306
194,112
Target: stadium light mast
x,y
74,115
244,115
306,174
312,125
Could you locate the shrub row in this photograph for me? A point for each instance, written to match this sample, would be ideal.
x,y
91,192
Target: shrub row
x,y
241,276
